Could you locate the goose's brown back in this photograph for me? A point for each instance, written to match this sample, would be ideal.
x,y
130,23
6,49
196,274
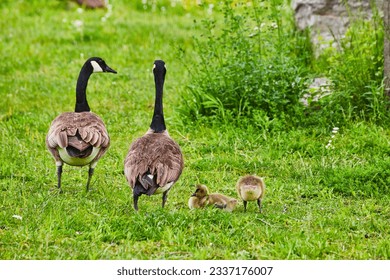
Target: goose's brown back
x,y
156,154
78,130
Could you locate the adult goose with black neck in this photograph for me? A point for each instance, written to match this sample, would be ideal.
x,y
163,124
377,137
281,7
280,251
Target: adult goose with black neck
x,y
154,161
79,138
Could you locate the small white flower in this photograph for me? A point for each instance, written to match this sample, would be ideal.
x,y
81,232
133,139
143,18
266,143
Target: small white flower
x,y
17,217
210,9
80,10
78,24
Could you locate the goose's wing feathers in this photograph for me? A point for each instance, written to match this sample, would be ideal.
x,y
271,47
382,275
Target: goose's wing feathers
x,y
69,128
156,154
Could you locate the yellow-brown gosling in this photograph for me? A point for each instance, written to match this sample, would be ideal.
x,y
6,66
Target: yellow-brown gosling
x,y
201,198
251,188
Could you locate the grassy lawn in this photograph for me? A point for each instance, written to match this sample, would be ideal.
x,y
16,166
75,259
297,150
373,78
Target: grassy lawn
x,y
321,203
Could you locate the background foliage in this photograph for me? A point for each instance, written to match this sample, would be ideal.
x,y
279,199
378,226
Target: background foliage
x,y
254,62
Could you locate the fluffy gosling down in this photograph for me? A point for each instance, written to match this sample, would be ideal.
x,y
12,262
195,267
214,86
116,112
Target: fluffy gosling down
x,y
251,188
201,198
154,161
79,138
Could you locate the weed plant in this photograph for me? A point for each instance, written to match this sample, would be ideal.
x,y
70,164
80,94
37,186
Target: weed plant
x,y
250,65
356,71
254,65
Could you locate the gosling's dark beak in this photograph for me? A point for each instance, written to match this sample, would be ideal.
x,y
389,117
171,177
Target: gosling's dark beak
x,y
108,69
194,194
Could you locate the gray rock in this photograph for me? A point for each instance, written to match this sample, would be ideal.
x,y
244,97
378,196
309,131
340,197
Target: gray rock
x,y
329,19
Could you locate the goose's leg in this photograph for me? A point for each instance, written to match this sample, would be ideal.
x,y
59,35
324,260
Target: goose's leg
x,y
138,190
90,173
164,198
59,173
259,203
135,199
245,203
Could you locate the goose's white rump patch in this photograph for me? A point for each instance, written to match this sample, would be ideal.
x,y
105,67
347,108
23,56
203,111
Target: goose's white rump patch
x,y
77,161
165,188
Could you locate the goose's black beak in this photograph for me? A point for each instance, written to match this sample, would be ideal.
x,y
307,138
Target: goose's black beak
x,y
194,194
108,69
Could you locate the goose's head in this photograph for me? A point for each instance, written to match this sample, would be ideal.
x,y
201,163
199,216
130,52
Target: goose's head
x,y
159,67
201,191
99,65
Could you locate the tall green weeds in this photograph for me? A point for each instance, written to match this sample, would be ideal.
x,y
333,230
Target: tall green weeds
x,y
251,64
356,71
254,65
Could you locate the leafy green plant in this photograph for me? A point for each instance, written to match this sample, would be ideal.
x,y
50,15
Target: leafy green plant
x,y
356,71
246,64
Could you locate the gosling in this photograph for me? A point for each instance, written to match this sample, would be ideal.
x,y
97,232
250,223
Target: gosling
x,y
201,198
251,188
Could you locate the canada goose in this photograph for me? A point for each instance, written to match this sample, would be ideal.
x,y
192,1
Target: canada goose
x,y
201,198
249,188
154,161
79,138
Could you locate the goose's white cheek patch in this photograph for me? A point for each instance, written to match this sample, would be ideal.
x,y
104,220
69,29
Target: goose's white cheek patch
x,y
96,67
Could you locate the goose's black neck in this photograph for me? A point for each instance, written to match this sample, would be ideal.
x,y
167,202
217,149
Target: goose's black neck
x,y
158,123
81,88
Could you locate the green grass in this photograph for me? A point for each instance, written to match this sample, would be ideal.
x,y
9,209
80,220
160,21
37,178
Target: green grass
x,y
320,203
